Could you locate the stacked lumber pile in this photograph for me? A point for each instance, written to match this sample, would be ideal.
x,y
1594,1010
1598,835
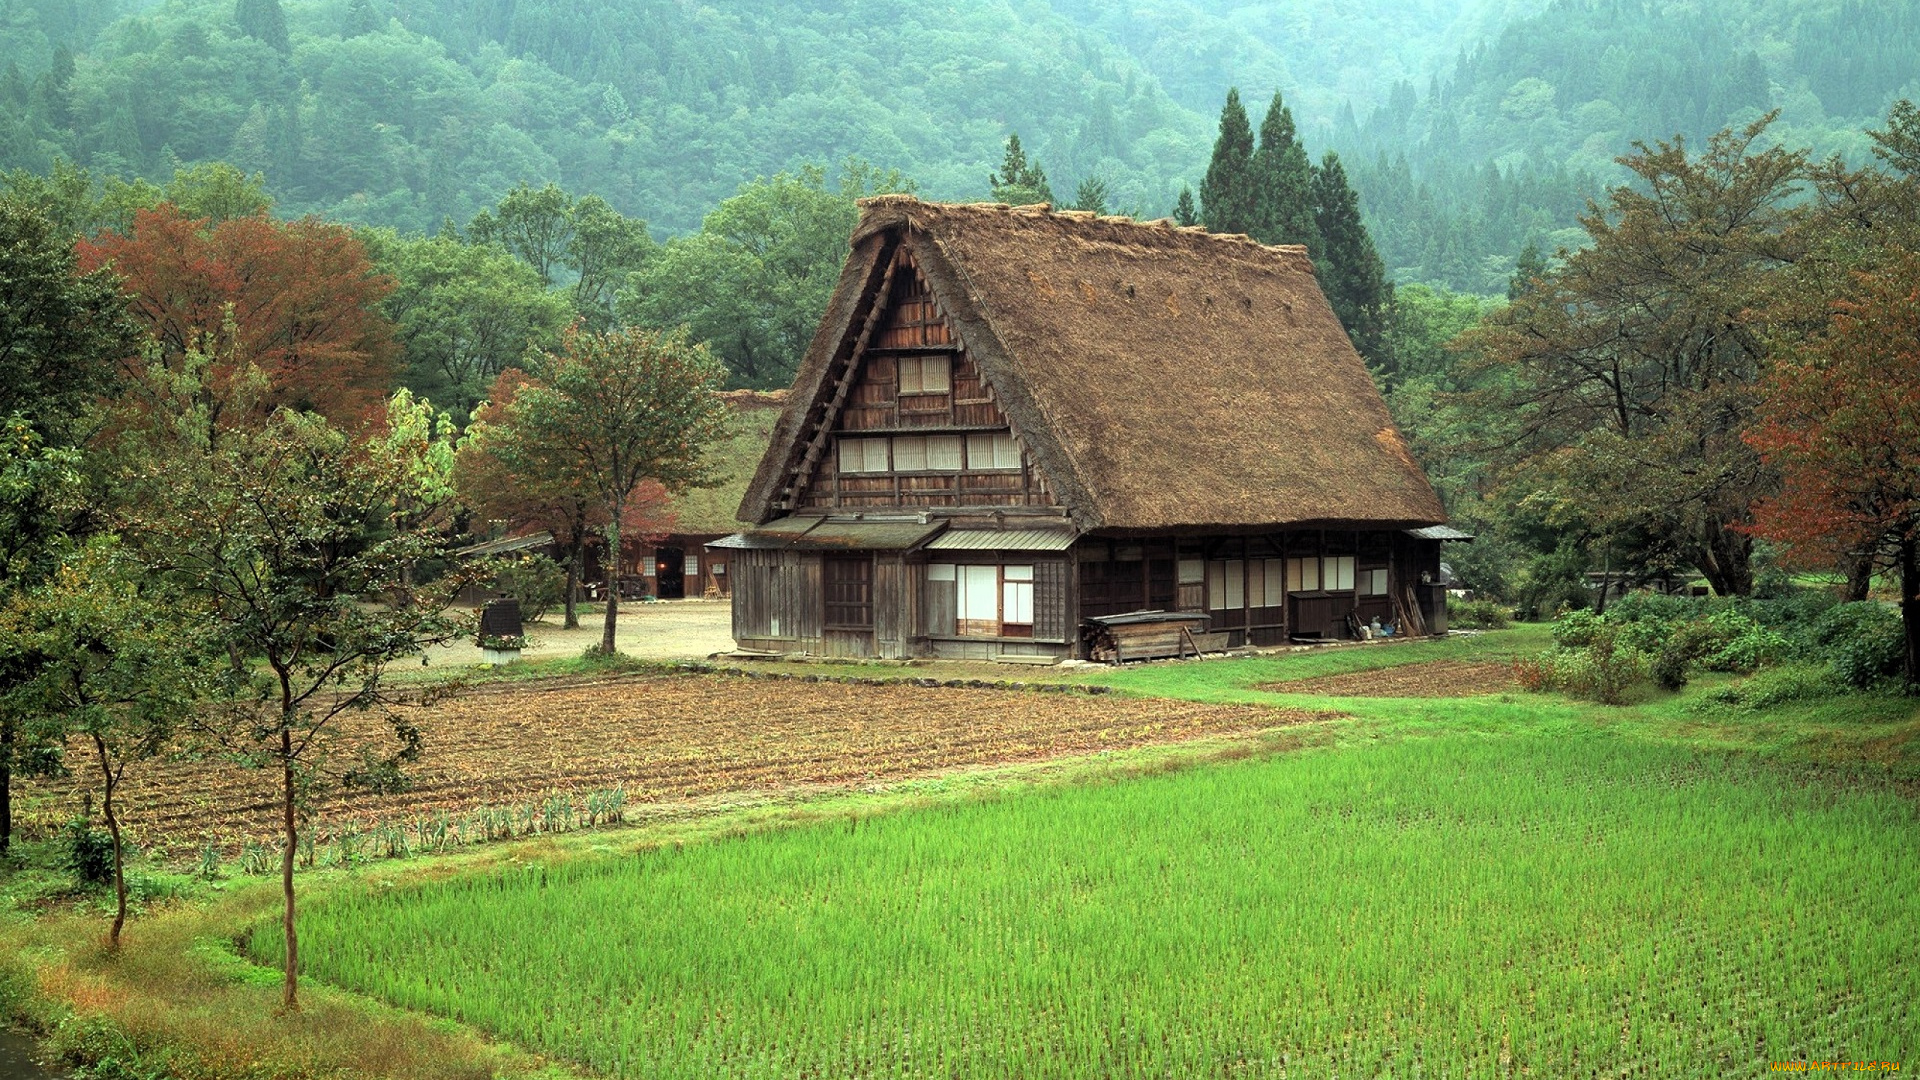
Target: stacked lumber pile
x,y
1146,635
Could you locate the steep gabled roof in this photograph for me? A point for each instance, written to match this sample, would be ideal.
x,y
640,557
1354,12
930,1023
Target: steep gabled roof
x,y
699,511
1162,377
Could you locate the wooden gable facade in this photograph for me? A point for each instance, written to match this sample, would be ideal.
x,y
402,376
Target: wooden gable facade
x,y
939,487
919,426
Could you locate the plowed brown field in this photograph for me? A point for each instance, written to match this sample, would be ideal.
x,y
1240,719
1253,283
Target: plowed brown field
x,y
1436,679
666,739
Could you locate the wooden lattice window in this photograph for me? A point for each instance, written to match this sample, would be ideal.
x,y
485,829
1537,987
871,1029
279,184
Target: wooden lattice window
x,y
849,589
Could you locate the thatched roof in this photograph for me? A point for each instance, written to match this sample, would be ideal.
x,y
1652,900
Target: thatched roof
x,y
703,511
1162,377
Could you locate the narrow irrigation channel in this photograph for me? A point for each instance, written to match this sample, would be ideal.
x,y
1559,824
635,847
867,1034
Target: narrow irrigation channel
x,y
17,1059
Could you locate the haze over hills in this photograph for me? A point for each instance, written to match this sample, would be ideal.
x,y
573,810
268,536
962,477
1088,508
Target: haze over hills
x,y
1470,127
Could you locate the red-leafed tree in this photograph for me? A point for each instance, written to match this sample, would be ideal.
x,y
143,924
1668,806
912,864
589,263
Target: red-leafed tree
x,y
1840,418
299,300
503,479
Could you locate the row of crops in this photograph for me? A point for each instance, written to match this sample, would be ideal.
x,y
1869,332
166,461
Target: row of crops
x,y
351,843
1439,907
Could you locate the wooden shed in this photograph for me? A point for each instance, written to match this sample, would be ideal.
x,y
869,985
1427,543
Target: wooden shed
x,y
1012,420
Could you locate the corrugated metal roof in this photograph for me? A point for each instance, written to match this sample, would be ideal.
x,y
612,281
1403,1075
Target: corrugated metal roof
x,y
1439,532
1134,617
505,547
829,534
1003,540
747,542
866,535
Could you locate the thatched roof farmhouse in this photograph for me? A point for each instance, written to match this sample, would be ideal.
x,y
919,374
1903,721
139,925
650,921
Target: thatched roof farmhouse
x,y
1015,423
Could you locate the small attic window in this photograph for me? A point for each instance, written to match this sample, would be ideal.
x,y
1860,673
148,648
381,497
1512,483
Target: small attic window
x,y
863,455
926,374
997,451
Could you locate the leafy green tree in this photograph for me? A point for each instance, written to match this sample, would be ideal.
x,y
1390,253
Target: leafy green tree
x,y
514,483
1632,366
362,18
617,410
218,192
298,543
83,205
62,337
1422,325
115,662
40,498
509,478
753,281
605,248
62,333
1227,195
560,236
1529,267
1020,182
1282,188
535,224
463,313
69,195
1350,269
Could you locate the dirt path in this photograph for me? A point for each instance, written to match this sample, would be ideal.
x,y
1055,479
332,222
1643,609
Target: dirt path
x,y
667,739
1434,679
661,630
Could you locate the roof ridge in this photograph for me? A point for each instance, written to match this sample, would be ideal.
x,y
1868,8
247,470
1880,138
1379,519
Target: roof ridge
x,y
897,201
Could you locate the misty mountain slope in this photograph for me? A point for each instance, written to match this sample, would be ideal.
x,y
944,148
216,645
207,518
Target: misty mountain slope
x,y
1470,127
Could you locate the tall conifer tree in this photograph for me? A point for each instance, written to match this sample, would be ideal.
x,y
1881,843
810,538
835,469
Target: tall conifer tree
x,y
1350,269
1226,194
1283,195
1020,181
1183,211
264,20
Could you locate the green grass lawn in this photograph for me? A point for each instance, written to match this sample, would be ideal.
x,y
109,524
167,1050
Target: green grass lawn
x,y
1560,899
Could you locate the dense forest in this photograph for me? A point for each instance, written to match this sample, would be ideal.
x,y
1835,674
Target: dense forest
x,y
1469,128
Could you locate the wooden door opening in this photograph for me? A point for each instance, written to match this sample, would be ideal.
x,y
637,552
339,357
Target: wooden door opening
x,y
848,583
669,573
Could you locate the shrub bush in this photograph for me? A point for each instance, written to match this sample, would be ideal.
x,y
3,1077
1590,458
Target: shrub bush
x,y
1862,643
1777,686
89,851
1577,629
1669,669
1593,661
1737,642
1645,606
1477,614
1859,644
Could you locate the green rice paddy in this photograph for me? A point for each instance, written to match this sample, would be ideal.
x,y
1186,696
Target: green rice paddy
x,y
1430,907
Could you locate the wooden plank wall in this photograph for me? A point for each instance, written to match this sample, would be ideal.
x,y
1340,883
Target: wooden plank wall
x,y
891,614
778,599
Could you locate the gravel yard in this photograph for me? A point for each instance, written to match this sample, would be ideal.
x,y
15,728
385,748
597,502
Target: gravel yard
x,y
661,630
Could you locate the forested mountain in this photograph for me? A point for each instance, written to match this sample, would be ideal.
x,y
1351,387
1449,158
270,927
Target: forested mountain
x,y
405,114
1470,127
1508,142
